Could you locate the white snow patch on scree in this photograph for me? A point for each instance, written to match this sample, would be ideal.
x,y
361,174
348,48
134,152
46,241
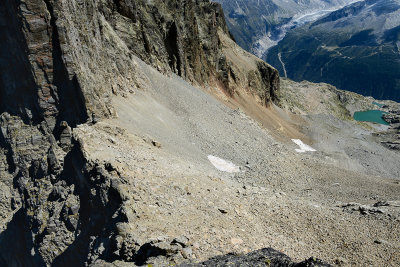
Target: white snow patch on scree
x,y
303,147
223,165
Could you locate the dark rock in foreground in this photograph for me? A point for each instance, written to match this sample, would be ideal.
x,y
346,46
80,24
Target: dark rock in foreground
x,y
262,257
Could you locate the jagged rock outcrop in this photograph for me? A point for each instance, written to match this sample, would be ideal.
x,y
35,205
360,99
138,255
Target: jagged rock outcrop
x,y
391,137
63,204
60,64
259,258
186,37
262,257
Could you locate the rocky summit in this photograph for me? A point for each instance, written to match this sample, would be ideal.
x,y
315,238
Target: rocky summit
x,y
138,133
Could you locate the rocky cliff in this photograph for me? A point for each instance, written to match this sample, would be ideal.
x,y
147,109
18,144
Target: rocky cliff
x,y
60,64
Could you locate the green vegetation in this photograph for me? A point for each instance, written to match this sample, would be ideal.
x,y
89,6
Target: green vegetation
x,y
351,48
366,69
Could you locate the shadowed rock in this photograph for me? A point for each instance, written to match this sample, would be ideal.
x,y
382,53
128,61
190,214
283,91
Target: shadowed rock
x,y
258,258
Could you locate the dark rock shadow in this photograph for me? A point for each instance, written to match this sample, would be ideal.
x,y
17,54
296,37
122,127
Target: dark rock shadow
x,y
97,220
16,245
18,90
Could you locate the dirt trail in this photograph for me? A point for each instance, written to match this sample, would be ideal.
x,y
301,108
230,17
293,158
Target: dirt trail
x,y
283,64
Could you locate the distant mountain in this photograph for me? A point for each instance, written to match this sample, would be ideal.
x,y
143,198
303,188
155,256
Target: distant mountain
x,y
259,24
355,48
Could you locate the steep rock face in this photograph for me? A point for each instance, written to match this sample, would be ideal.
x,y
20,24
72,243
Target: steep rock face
x,y
60,64
246,71
77,53
183,37
52,194
173,35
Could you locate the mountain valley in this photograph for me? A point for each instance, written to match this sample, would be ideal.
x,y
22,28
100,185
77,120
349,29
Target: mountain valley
x,y
353,45
355,48
259,25
138,133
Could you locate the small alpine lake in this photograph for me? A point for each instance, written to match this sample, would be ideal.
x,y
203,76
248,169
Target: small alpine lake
x,y
377,104
370,116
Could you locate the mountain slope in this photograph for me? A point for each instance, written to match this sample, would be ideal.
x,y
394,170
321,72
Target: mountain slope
x,y
138,133
355,48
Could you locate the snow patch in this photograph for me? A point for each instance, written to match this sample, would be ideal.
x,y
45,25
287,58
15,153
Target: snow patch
x,y
223,165
303,147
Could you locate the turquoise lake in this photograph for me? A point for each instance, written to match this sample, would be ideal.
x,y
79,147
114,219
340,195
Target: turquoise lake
x,y
377,104
370,116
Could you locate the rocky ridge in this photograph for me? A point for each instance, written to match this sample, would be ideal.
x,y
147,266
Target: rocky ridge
x,y
391,138
184,37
